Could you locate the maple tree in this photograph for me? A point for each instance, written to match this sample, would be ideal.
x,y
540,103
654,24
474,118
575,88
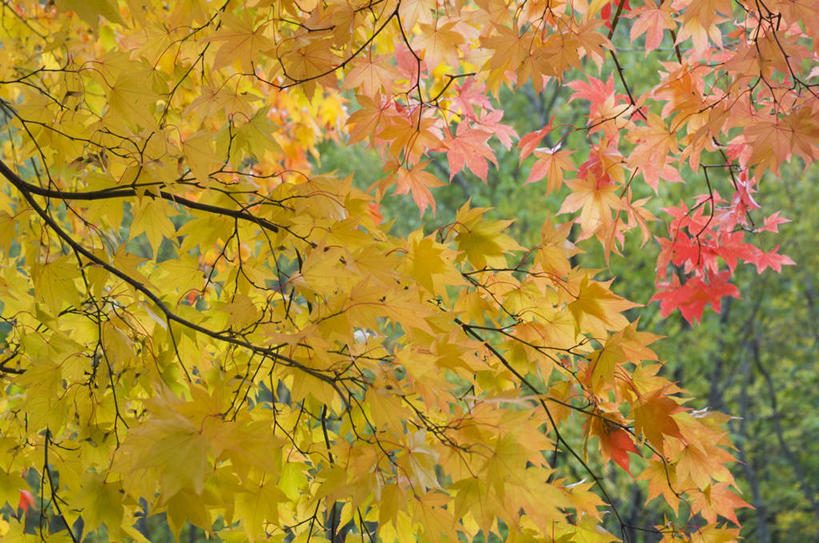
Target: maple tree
x,y
198,324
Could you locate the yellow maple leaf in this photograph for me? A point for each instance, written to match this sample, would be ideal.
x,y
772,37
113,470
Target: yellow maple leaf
x,y
242,40
598,309
595,202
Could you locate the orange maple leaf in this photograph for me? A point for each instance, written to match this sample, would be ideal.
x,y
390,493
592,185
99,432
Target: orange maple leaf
x,y
418,181
699,22
718,499
551,163
469,147
363,123
438,43
372,75
652,418
594,200
615,442
651,20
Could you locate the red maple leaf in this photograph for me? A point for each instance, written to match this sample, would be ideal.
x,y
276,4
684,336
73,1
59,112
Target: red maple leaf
x,y
694,295
607,10
530,141
772,223
595,91
26,501
618,444
772,260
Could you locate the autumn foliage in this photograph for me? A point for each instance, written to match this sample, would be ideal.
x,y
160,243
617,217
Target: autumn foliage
x,y
198,324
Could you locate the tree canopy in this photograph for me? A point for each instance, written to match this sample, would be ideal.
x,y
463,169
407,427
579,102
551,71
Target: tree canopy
x,y
197,323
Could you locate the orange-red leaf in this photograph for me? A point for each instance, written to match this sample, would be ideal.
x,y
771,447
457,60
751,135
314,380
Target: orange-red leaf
x,y
469,147
652,418
550,163
418,182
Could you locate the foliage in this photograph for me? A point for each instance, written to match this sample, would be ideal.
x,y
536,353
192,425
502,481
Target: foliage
x,y
755,360
199,325
715,361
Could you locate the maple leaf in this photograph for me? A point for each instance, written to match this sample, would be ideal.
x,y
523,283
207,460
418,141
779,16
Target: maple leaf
x,y
550,163
700,467
241,40
639,216
772,260
469,147
152,219
530,141
804,131
595,200
614,441
772,222
591,42
418,181
473,493
408,134
617,444
658,474
100,504
604,362
595,91
438,42
469,97
699,22
694,295
653,418
130,100
596,306
555,249
508,49
483,241
719,499
371,76
26,501
651,20
490,120
653,172
654,142
430,263
771,141
307,60
364,122
413,11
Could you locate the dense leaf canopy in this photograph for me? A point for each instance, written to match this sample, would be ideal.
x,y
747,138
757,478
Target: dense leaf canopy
x,y
196,323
